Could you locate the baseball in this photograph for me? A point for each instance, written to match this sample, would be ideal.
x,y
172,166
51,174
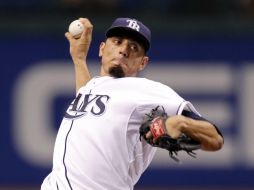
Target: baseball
x,y
76,28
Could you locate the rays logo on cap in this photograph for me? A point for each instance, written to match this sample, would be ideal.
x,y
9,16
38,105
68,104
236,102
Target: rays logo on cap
x,y
133,28
133,24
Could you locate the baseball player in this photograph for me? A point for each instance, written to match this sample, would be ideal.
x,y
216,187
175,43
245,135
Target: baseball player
x,y
98,144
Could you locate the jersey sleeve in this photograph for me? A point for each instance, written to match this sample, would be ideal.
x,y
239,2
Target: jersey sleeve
x,y
186,105
188,110
152,94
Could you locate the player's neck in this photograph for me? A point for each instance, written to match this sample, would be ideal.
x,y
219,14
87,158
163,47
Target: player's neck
x,y
103,73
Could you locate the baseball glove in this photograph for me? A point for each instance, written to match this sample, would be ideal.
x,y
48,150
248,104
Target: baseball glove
x,y
155,123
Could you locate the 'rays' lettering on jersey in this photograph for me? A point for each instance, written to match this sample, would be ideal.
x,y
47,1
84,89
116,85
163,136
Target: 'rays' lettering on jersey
x,y
93,103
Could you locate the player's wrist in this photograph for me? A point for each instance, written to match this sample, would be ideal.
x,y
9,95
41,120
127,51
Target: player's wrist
x,y
78,56
176,123
79,61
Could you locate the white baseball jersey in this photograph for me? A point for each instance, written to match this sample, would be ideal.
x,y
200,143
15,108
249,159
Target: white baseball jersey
x,y
98,145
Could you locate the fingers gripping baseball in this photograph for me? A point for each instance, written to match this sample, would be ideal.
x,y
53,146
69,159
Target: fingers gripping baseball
x,y
88,28
79,45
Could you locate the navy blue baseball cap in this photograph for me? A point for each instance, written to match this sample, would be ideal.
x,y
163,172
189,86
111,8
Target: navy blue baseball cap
x,y
132,28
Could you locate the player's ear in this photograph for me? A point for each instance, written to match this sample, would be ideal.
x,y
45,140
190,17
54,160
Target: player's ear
x,y
144,62
102,45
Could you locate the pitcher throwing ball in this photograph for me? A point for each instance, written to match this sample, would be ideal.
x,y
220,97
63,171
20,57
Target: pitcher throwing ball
x,y
111,130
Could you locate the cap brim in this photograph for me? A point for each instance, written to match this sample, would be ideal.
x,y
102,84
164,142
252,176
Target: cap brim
x,y
126,31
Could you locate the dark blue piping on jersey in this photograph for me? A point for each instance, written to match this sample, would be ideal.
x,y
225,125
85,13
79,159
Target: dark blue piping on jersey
x,y
179,107
65,153
57,186
65,146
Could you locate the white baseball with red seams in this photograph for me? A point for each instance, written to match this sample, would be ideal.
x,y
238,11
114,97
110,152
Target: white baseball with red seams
x,y
76,28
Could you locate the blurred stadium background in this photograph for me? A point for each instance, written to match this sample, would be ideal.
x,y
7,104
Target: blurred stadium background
x,y
203,49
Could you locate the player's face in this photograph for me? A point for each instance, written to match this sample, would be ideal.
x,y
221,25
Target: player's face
x,y
122,57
